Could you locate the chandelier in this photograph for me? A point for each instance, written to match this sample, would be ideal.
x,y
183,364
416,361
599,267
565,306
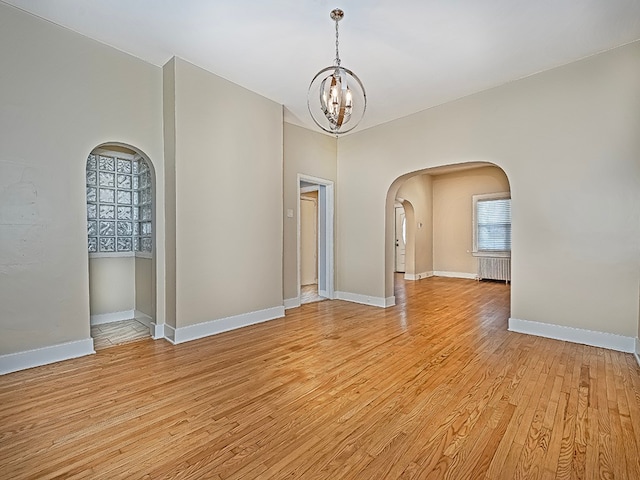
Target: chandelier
x,y
336,95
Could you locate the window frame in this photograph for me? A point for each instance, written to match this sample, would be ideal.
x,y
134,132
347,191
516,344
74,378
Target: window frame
x,y
484,197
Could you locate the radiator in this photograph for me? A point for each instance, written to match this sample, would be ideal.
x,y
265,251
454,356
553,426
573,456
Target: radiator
x,y
494,268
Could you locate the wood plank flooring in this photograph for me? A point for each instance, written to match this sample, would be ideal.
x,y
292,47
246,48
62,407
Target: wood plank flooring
x,y
433,388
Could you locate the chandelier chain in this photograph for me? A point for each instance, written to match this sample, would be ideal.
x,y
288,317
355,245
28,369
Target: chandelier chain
x,y
337,60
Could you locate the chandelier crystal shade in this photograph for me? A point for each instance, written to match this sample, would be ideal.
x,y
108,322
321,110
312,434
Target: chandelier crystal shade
x,y
336,98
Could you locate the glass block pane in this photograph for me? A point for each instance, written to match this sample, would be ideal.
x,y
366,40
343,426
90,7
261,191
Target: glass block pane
x,y
124,166
124,213
107,179
136,244
145,212
125,229
107,212
107,228
136,213
107,244
92,211
136,228
135,182
144,181
107,195
125,244
93,244
92,194
92,228
124,181
107,163
136,198
134,166
145,244
146,228
124,197
92,163
92,177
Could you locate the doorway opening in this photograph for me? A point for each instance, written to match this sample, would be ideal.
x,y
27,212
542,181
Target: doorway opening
x,y
401,238
433,214
120,243
315,239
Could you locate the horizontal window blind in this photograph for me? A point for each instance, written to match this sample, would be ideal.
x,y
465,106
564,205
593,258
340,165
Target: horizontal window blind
x,y
493,225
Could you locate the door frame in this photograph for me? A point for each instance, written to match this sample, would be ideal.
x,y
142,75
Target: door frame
x,y
325,234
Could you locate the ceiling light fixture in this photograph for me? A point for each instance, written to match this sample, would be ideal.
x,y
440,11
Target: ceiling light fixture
x,y
336,95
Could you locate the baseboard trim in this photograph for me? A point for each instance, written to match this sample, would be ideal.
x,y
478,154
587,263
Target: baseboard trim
x,y
156,330
367,299
111,317
637,352
220,325
417,276
291,303
610,341
37,357
469,276
169,334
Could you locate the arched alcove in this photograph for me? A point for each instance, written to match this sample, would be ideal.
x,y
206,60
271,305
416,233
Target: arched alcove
x,y
440,228
120,193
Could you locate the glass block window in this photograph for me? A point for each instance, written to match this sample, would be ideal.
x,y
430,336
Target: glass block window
x,y
119,205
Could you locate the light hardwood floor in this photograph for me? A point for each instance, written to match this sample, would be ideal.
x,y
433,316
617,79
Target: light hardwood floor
x,y
435,387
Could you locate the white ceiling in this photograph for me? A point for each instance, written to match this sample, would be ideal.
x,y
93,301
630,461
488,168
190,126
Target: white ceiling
x,y
410,54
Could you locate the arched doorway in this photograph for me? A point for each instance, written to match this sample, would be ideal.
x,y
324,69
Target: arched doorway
x,y
120,196
442,223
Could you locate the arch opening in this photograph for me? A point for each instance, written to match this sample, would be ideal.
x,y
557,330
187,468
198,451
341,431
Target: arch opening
x,y
439,205
121,237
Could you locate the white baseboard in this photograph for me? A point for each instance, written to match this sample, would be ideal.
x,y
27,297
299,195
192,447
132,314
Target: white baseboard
x,y
14,362
205,329
323,294
470,276
169,333
367,299
111,317
610,341
157,331
417,276
291,303
637,352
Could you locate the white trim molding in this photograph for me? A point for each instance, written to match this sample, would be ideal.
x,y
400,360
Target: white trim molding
x,y
14,362
637,352
366,299
610,341
156,330
469,276
111,317
417,276
213,327
291,303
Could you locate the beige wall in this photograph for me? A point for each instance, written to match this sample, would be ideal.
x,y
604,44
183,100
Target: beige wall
x,y
62,95
144,283
567,140
228,190
417,191
309,153
453,215
112,284
308,238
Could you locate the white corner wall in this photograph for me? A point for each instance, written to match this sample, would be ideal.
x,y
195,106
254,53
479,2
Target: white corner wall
x,y
567,140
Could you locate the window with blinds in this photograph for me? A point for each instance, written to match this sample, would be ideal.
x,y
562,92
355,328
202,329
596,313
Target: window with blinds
x,y
492,224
